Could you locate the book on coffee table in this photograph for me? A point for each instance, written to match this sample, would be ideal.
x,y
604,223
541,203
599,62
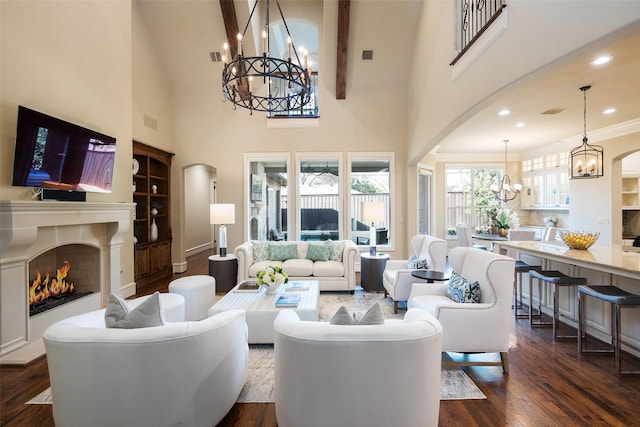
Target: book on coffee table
x,y
297,285
288,300
247,286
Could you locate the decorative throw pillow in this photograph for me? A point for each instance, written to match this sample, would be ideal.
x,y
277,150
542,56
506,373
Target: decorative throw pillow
x,y
373,316
318,252
117,309
283,252
341,317
337,248
260,251
416,263
463,290
145,315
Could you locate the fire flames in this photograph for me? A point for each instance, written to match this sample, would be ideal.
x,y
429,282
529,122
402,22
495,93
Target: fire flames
x,y
41,290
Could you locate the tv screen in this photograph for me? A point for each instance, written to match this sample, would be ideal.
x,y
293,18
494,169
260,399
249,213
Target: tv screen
x,y
53,153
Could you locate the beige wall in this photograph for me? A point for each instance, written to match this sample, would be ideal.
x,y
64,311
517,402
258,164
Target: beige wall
x,y
71,60
151,90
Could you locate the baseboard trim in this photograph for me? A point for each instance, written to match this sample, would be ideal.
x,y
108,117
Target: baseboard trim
x,y
179,267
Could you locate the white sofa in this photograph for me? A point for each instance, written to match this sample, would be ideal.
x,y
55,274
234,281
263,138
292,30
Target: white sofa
x,y
183,373
357,375
483,327
332,275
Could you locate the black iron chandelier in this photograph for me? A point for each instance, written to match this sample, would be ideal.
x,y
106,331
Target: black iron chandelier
x,y
256,82
586,161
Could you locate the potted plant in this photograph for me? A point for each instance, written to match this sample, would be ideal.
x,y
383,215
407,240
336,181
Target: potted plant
x,y
504,220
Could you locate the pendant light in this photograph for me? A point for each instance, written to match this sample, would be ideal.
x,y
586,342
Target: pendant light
x,y
586,161
506,191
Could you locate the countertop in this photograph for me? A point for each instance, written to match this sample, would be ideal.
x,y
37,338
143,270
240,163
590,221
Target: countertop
x,y
615,259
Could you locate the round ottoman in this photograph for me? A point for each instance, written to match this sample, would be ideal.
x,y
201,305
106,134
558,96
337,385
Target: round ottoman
x,y
199,293
173,306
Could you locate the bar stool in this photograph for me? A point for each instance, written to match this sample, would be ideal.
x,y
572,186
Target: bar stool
x,y
555,278
618,298
521,267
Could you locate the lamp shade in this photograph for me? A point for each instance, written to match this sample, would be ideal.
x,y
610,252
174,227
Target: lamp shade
x,y
372,212
222,213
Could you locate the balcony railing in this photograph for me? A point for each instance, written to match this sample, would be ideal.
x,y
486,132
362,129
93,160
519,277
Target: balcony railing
x,y
475,16
309,110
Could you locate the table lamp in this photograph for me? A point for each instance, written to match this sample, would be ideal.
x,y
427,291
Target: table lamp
x,y
372,212
221,214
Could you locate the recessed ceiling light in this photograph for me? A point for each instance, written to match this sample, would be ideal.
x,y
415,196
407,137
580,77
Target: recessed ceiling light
x,y
609,111
504,112
519,124
601,60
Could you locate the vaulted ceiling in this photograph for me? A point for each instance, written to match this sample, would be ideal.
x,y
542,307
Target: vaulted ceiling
x,y
185,32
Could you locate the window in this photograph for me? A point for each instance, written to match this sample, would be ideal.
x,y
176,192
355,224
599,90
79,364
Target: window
x,y
424,201
469,197
545,181
370,176
319,195
267,185
305,35
318,206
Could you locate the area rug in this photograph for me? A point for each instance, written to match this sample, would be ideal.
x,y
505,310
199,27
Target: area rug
x,y
455,384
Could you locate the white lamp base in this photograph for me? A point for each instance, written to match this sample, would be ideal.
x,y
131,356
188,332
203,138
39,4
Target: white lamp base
x,y
372,240
223,240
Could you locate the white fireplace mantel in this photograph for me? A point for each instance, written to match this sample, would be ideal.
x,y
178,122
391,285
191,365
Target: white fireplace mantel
x,y
28,228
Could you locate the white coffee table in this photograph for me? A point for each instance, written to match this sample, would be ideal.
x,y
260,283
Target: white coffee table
x,y
262,311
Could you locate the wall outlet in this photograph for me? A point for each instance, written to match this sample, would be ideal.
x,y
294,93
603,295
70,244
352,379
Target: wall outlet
x,y
603,220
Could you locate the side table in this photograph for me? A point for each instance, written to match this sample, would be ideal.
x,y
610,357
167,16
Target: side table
x,y
225,270
430,275
371,270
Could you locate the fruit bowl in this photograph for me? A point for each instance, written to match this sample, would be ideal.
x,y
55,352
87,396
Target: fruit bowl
x,y
579,240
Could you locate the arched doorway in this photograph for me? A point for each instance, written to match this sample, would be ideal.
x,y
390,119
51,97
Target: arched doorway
x,y
199,192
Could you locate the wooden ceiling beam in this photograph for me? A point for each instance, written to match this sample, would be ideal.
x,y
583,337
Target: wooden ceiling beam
x,y
343,44
230,25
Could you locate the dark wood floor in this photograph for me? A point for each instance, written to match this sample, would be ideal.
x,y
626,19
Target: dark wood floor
x,y
548,385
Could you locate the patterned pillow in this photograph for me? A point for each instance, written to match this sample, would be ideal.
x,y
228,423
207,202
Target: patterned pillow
x,y
337,248
416,263
318,252
283,252
260,251
463,290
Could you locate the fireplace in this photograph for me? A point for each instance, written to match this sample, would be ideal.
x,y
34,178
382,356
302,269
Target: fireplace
x,y
62,275
82,241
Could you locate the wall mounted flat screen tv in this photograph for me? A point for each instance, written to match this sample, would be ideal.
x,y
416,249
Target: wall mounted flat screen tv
x,y
53,153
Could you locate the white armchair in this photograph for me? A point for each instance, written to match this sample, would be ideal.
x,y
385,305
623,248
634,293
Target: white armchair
x,y
184,373
340,375
483,327
397,278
